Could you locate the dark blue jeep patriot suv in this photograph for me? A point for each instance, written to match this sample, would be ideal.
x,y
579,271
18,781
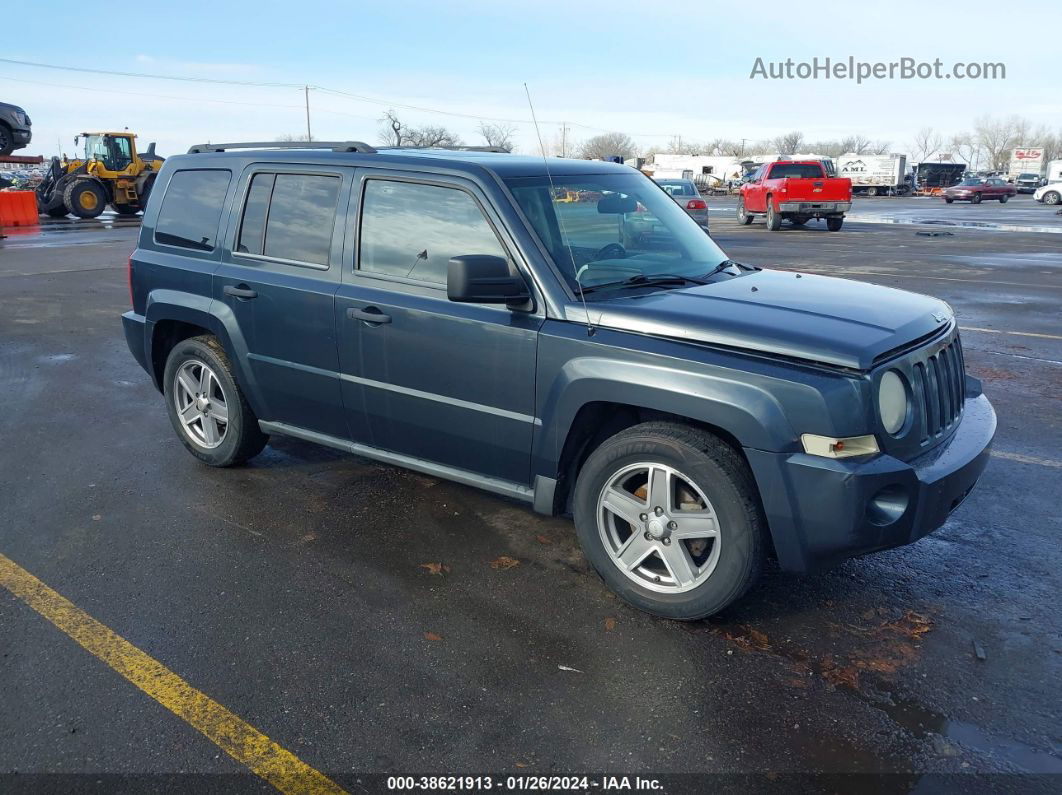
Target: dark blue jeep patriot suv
x,y
560,332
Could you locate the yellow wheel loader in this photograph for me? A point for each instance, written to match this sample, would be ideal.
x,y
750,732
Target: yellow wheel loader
x,y
111,172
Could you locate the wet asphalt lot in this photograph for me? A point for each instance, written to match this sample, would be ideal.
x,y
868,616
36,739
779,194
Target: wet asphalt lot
x,y
294,590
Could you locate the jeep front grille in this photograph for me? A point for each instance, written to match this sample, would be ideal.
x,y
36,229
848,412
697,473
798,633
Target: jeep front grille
x,y
940,389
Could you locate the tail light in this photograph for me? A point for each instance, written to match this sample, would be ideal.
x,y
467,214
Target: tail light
x,y
129,278
696,204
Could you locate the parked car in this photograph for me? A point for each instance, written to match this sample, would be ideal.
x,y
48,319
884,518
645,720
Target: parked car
x,y
684,191
795,191
1050,193
1027,183
976,189
15,129
443,311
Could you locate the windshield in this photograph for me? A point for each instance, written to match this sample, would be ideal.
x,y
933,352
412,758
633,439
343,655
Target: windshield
x,y
1028,176
604,228
95,147
678,187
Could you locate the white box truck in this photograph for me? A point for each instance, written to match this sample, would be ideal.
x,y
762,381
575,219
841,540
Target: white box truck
x,y
874,174
1025,160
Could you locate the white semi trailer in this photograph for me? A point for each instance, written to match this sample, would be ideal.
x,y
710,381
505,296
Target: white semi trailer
x,y
874,174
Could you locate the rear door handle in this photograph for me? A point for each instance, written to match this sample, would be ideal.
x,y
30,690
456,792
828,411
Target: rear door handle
x,y
369,315
242,292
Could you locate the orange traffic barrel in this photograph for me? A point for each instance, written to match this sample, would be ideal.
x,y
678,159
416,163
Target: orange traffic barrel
x,y
18,208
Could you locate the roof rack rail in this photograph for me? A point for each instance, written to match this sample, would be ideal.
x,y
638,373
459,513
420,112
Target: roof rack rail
x,y
335,146
461,148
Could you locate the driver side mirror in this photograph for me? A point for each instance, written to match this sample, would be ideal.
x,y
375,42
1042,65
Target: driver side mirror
x,y
486,279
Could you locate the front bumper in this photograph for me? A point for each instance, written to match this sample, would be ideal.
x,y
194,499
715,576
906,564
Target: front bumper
x,y
22,136
814,207
822,511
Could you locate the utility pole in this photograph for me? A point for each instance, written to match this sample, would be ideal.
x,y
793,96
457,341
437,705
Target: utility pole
x,y
743,147
564,139
306,93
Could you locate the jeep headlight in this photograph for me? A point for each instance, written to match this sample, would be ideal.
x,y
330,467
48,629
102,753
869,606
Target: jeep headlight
x,y
893,403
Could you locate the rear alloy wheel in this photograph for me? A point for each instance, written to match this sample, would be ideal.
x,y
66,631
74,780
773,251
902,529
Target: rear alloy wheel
x,y
669,518
743,216
84,198
1052,197
206,407
872,191
976,198
834,224
774,220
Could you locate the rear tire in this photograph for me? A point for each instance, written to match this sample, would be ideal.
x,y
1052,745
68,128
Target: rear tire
x,y
872,191
774,220
949,200
213,440
84,198
976,199
688,460
1003,199
834,224
743,215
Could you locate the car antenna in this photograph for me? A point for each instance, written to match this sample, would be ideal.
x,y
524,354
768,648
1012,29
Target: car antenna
x,y
560,220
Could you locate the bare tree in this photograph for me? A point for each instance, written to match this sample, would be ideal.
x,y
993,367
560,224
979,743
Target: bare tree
x,y
879,147
391,130
926,143
427,137
965,146
394,133
607,145
995,137
500,135
677,146
789,143
294,137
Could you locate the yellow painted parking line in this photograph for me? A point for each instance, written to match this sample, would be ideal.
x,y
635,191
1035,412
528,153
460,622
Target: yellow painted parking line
x,y
1015,333
1027,459
228,731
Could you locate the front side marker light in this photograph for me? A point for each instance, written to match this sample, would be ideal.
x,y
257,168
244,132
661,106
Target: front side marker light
x,y
839,447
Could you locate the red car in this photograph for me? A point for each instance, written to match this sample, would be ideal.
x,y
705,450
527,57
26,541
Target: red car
x,y
795,191
975,189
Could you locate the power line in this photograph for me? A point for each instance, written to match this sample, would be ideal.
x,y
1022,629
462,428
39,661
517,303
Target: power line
x,y
306,87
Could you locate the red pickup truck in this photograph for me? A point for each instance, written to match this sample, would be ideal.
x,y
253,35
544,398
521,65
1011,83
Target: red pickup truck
x,y
797,191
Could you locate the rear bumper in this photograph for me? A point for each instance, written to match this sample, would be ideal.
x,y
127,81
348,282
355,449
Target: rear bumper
x,y
814,207
138,338
822,511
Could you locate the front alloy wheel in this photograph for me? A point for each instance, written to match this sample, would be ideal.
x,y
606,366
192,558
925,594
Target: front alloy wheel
x,y
659,529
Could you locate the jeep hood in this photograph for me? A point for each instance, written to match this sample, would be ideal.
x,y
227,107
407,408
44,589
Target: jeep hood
x,y
815,318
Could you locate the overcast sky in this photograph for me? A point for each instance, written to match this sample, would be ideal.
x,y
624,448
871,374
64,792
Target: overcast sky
x,y
650,69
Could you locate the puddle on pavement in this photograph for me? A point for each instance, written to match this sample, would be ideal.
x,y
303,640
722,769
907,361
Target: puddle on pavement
x,y
985,225
923,722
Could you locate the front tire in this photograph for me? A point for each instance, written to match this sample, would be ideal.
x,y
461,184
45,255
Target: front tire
x,y
206,406
834,224
1052,197
669,517
84,198
743,215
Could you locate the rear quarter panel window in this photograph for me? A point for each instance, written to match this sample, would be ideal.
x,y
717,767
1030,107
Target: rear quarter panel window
x,y
191,208
411,230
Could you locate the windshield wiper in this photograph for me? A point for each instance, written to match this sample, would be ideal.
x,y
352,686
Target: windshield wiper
x,y
652,280
722,266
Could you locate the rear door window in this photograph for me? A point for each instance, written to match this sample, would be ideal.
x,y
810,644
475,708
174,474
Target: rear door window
x,y
191,208
289,217
411,230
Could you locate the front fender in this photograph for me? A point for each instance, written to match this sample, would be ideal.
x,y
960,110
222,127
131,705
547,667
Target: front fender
x,y
745,410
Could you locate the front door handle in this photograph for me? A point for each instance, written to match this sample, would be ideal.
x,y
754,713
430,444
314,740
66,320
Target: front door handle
x,y
369,315
243,292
